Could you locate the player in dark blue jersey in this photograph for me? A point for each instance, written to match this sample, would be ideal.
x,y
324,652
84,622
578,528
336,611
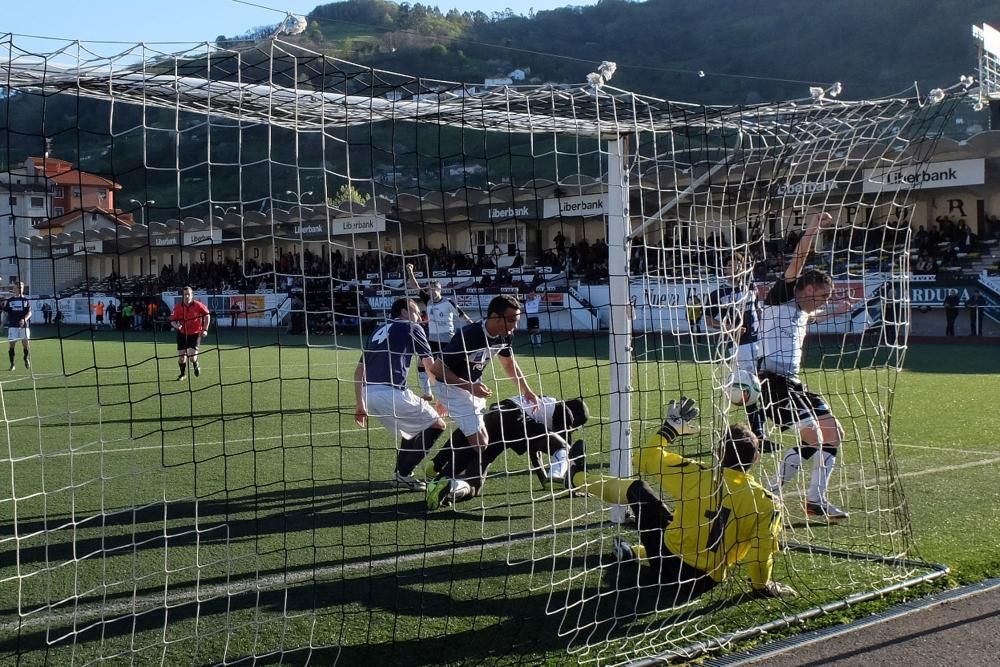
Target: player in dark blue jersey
x,y
17,312
733,310
381,391
460,370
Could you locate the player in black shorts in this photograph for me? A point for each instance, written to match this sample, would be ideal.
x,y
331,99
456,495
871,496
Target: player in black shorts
x,y
17,312
795,300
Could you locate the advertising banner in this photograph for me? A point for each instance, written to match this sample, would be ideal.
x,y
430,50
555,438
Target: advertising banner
x,y
931,175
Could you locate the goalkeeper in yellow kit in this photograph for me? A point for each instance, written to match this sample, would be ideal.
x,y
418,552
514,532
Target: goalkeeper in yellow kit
x,y
722,516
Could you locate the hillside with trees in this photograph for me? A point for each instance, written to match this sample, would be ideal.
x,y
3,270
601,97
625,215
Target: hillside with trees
x,y
715,51
746,51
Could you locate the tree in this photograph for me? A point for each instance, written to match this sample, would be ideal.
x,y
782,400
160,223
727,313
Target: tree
x,y
348,195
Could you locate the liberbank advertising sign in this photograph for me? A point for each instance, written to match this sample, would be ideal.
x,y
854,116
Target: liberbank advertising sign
x,y
358,224
931,175
580,206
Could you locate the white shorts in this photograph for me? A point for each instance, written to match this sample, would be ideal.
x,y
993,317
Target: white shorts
x,y
399,410
18,333
464,409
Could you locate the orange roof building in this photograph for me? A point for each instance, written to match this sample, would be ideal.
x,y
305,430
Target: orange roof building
x,y
76,193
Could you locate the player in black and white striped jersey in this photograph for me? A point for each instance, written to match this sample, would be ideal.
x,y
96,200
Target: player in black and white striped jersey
x,y
442,321
797,298
17,312
733,308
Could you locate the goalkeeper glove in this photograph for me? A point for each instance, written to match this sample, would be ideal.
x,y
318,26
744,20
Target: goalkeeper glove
x,y
776,589
680,419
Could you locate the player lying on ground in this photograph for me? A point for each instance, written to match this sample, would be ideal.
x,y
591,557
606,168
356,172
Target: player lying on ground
x,y
722,516
459,469
381,391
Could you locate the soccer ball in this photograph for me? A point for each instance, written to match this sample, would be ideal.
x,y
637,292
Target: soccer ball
x,y
742,388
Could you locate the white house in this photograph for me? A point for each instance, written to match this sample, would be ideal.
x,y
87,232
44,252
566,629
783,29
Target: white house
x,y
24,202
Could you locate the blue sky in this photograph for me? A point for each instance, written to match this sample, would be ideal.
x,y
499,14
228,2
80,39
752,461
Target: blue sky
x,y
185,20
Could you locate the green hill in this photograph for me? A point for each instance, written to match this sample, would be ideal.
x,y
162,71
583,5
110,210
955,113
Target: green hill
x,y
748,51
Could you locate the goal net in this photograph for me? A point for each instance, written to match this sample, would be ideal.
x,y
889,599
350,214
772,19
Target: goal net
x,y
239,513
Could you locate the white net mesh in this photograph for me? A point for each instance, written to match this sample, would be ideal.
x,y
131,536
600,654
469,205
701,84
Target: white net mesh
x,y
242,514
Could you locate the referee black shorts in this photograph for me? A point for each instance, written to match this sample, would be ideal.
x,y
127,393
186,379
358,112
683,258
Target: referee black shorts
x,y
188,342
788,403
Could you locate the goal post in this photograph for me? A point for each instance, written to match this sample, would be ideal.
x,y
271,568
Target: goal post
x,y
620,313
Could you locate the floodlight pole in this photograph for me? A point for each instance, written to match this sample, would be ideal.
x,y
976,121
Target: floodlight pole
x,y
620,324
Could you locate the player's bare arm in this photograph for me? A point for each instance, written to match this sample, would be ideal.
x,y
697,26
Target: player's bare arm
x,y
361,411
513,370
430,366
816,222
411,277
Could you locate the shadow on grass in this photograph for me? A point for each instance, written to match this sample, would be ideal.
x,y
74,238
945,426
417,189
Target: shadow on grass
x,y
431,615
263,515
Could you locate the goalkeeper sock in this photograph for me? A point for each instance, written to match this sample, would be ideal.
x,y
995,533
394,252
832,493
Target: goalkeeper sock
x,y
819,480
460,490
558,463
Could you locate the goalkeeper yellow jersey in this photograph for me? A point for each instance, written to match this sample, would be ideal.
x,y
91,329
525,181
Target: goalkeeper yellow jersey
x,y
721,516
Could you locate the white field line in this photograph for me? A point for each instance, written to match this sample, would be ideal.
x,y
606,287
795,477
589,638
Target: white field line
x,y
90,448
270,582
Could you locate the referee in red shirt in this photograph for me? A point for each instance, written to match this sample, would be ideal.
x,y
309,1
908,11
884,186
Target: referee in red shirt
x,y
190,320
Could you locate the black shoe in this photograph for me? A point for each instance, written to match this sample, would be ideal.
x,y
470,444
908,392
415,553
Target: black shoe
x,y
577,462
825,510
197,369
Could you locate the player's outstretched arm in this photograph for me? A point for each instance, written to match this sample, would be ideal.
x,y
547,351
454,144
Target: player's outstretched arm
x,y
431,368
653,456
411,278
817,221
